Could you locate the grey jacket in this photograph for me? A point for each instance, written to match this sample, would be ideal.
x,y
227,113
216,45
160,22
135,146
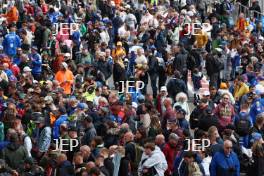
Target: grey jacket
x,y
156,160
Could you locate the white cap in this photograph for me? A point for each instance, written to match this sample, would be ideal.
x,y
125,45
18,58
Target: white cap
x,y
163,88
134,105
206,93
219,49
67,55
48,99
64,64
190,13
27,69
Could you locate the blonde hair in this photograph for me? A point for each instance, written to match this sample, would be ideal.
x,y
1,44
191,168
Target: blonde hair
x,y
181,94
211,130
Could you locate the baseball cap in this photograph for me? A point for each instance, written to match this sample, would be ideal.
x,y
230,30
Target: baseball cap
x,y
134,105
67,54
64,64
72,128
48,99
206,93
82,106
163,88
256,137
39,119
34,47
27,69
119,43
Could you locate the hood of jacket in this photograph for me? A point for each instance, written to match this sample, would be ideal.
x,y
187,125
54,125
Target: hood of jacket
x,y
13,146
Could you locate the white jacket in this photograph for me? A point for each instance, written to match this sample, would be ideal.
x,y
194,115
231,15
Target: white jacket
x,y
157,159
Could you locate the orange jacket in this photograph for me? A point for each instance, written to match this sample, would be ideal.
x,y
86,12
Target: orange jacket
x,y
65,79
12,15
241,24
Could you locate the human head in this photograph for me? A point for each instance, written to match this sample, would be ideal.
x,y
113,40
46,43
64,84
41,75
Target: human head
x,y
149,148
167,102
213,133
86,151
173,139
228,147
163,91
181,97
129,136
160,139
225,98
61,158
78,158
260,120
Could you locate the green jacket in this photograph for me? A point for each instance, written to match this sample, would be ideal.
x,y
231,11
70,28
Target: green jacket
x,y
14,155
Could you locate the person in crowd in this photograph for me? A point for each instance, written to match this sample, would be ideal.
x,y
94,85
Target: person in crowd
x,y
153,161
224,112
63,65
65,78
257,150
14,153
225,162
182,100
11,42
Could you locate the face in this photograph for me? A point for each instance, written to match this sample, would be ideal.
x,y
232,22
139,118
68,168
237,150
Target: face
x,y
213,91
163,93
148,151
173,142
228,148
225,99
138,135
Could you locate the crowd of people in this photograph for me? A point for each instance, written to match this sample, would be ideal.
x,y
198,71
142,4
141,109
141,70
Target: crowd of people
x,y
102,88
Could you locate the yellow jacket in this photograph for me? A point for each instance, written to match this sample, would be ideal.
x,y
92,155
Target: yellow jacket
x,y
240,90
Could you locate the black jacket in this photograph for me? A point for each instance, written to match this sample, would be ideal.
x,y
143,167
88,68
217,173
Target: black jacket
x,y
130,151
180,61
175,86
153,65
105,67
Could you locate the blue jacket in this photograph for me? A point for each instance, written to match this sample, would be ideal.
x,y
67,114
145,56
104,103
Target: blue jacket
x,y
221,164
256,108
76,37
58,122
17,61
36,64
11,43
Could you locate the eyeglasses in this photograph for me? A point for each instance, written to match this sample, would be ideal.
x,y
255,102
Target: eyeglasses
x,y
226,98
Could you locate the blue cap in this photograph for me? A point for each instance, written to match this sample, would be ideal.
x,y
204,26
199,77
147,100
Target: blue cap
x,y
82,106
256,137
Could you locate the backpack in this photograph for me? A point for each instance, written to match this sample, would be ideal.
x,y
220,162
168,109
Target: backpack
x,y
139,151
191,62
219,63
22,138
243,125
169,68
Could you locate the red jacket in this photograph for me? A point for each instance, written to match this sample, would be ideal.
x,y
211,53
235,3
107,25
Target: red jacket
x,y
170,154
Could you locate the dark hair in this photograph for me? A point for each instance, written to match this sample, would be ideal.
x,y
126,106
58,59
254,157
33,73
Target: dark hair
x,y
150,146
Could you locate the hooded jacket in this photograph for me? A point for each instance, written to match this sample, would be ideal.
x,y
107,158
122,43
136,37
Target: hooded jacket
x,y
221,164
14,155
156,160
